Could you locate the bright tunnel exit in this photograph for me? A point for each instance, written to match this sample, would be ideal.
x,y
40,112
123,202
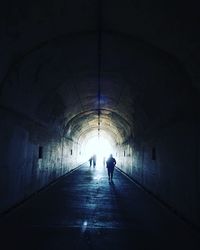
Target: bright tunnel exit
x,y
99,146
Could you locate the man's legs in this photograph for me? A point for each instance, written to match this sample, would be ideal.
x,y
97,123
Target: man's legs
x,y
111,173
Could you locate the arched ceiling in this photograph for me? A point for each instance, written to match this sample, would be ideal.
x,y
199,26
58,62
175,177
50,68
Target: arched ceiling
x,y
50,62
110,123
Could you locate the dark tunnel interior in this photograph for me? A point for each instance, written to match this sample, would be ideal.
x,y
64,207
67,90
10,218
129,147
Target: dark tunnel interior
x,y
123,71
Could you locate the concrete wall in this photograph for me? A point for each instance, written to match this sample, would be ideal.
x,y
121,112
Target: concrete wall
x,y
166,163
22,171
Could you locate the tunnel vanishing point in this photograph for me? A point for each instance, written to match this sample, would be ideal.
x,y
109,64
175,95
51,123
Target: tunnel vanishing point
x,y
127,71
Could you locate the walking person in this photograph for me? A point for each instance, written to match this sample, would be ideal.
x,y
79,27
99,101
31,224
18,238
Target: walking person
x,y
110,164
94,158
90,160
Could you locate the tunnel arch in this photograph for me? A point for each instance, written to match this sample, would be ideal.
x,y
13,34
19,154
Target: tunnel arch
x,y
131,42
149,89
133,53
109,120
84,126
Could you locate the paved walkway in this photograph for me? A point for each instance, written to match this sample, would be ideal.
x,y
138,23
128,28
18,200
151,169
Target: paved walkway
x,y
85,211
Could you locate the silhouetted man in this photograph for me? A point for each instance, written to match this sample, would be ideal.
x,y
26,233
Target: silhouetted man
x,y
110,164
94,160
90,160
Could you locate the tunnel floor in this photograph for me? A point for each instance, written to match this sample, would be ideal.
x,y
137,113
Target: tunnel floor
x,y
83,210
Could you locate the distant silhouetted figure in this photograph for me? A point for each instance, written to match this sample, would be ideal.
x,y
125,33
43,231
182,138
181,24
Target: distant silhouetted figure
x,y
94,158
110,164
90,161
104,161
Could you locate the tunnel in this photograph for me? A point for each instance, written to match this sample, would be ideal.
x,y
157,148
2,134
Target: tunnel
x,y
124,74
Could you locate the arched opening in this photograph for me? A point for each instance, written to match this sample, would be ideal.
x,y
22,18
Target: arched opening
x,y
60,83
101,146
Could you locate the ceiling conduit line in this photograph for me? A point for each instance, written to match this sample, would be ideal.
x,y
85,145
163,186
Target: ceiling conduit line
x,y
78,95
99,47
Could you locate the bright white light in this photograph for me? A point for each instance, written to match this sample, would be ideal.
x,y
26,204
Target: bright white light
x,y
99,146
84,226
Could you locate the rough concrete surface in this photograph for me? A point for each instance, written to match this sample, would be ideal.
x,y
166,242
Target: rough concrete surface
x,y
83,210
